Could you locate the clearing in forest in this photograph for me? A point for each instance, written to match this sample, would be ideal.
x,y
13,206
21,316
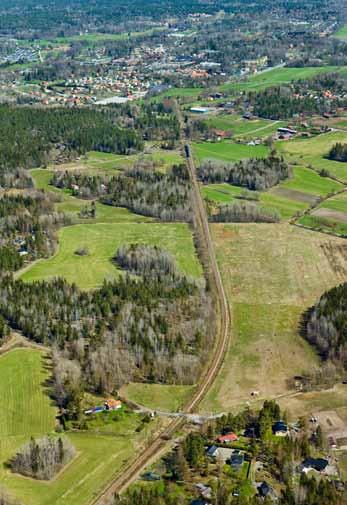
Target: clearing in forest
x,y
271,273
101,242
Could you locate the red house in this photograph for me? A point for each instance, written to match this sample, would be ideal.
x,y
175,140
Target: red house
x,y
230,437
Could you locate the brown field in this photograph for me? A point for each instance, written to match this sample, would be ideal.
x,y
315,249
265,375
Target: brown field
x,y
336,215
272,273
293,194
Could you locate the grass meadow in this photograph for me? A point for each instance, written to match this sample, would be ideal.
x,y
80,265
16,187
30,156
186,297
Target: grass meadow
x,y
276,77
244,128
102,241
167,398
271,273
228,151
312,152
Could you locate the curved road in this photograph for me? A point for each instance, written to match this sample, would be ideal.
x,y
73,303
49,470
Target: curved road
x,y
121,482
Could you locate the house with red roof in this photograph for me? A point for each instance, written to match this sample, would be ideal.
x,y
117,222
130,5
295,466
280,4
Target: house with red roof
x,y
229,437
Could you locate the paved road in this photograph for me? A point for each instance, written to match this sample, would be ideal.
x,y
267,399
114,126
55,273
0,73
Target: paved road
x,y
220,346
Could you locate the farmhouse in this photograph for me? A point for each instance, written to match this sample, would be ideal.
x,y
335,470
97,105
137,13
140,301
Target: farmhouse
x,y
317,464
222,453
112,404
230,437
265,489
280,429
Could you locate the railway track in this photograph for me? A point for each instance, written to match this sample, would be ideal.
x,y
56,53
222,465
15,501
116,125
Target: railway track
x,y
121,482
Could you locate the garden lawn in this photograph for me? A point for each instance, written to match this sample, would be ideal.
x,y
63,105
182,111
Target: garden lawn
x,y
228,151
166,398
102,241
312,152
272,273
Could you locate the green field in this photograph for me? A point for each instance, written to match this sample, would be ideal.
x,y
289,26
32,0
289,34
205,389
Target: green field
x,y
330,216
308,181
157,396
324,225
312,152
341,33
102,242
228,151
276,77
27,410
286,206
244,127
288,198
221,193
271,273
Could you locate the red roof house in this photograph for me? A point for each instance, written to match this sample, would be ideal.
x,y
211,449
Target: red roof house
x,y
230,437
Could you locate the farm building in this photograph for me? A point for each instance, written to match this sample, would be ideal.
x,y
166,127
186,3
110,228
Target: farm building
x,y
199,110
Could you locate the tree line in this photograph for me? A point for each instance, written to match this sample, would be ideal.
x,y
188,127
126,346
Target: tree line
x,y
325,325
254,174
244,212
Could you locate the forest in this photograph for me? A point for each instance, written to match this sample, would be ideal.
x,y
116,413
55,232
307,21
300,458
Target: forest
x,y
254,174
325,325
141,189
154,327
32,137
